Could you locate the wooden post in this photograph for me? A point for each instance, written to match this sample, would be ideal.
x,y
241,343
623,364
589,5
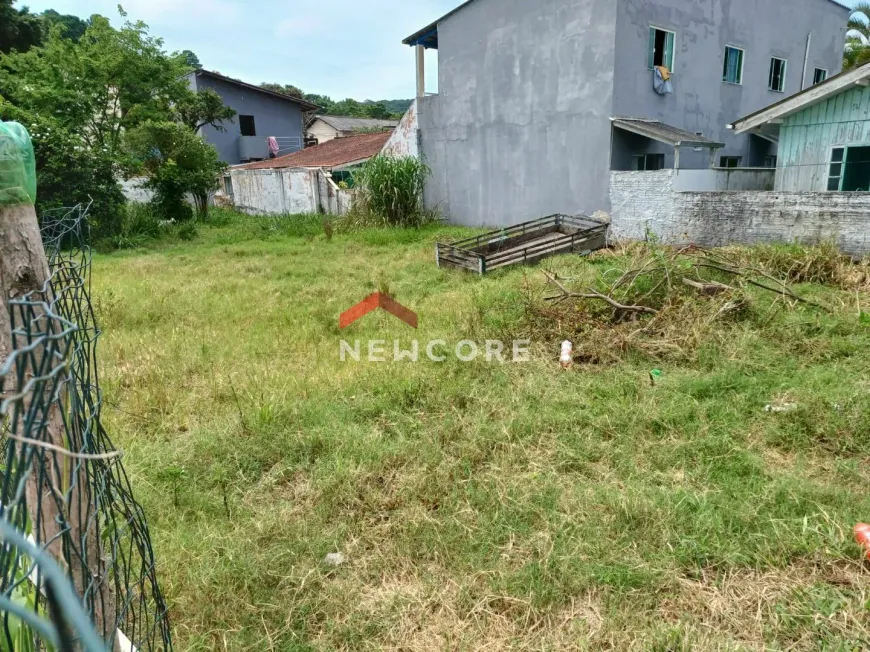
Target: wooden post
x,y
24,269
421,71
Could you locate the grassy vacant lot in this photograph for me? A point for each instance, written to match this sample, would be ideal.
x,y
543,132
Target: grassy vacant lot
x,y
479,506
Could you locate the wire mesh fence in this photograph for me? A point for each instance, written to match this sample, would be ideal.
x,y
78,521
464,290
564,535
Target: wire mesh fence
x,y
63,487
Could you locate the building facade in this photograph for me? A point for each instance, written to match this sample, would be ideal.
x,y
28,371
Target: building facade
x,y
324,128
522,125
823,135
260,114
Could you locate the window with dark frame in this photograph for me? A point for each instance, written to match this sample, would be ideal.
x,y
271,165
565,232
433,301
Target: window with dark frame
x,y
730,161
648,162
819,76
732,72
247,125
770,161
661,48
777,74
835,173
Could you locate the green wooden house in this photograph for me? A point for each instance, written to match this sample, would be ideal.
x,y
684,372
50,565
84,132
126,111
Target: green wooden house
x,y
822,133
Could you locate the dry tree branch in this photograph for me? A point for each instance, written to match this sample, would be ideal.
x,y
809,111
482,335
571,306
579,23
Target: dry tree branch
x,y
592,294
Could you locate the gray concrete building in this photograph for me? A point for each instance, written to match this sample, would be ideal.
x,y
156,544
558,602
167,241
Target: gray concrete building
x,y
259,114
526,121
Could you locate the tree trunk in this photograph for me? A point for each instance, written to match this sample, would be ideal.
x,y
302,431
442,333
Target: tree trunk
x,y
24,269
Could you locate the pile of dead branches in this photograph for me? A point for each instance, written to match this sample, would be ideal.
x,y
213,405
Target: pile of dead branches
x,y
661,302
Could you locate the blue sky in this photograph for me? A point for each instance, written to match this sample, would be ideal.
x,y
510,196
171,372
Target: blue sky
x,y
340,48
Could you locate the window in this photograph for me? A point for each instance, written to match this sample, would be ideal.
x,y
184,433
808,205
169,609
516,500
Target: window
x,y
819,76
648,162
850,169
661,48
777,74
228,185
730,161
246,124
732,73
770,161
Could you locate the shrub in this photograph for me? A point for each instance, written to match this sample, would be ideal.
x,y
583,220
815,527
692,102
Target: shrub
x,y
70,173
176,162
390,193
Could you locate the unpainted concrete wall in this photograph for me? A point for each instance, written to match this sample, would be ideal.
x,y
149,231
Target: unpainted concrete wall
x,y
288,192
520,127
645,202
406,137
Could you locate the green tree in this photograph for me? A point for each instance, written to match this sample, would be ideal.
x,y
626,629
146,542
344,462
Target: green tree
x,y
73,26
176,162
110,81
191,59
858,37
69,172
283,89
19,29
196,110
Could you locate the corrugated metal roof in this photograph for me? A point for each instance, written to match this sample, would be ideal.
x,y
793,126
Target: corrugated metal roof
x,y
346,123
331,154
663,133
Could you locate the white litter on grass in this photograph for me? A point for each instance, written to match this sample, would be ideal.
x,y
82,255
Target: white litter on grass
x,y
778,409
334,559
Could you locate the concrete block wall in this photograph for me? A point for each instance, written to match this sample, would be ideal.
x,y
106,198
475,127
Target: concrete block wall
x,y
646,203
289,191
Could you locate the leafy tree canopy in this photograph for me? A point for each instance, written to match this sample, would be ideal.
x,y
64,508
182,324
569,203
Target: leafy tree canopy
x,y
284,89
380,110
858,37
111,80
19,29
191,59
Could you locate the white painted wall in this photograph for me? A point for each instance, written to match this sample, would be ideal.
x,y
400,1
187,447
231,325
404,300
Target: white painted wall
x,y
134,192
647,202
724,179
405,140
321,131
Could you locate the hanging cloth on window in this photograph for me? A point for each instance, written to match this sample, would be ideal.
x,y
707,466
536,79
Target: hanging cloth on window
x,y
273,146
662,81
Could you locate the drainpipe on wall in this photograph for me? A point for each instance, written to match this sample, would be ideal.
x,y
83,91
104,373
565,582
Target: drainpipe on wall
x,y
806,60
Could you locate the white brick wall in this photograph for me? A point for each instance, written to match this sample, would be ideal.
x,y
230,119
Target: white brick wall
x,y
645,201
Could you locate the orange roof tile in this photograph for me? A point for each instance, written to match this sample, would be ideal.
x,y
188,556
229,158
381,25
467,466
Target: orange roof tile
x,y
332,154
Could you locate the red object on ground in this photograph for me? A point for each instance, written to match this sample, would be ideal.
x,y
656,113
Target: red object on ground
x,y
862,536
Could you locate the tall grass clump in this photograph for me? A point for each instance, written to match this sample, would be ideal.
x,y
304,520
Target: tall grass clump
x,y
389,192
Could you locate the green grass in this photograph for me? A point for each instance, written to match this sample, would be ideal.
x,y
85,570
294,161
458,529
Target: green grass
x,y
510,506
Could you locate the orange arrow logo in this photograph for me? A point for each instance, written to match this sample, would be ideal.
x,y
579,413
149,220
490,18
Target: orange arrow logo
x,y
372,303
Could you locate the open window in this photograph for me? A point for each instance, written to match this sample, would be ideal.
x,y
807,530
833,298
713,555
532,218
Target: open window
x,y
247,125
850,169
661,48
732,72
730,161
819,76
778,69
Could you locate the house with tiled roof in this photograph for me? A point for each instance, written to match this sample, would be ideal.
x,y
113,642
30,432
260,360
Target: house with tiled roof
x,y
336,154
307,181
324,128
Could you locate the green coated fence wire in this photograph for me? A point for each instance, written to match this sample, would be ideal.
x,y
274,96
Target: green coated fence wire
x,y
72,502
